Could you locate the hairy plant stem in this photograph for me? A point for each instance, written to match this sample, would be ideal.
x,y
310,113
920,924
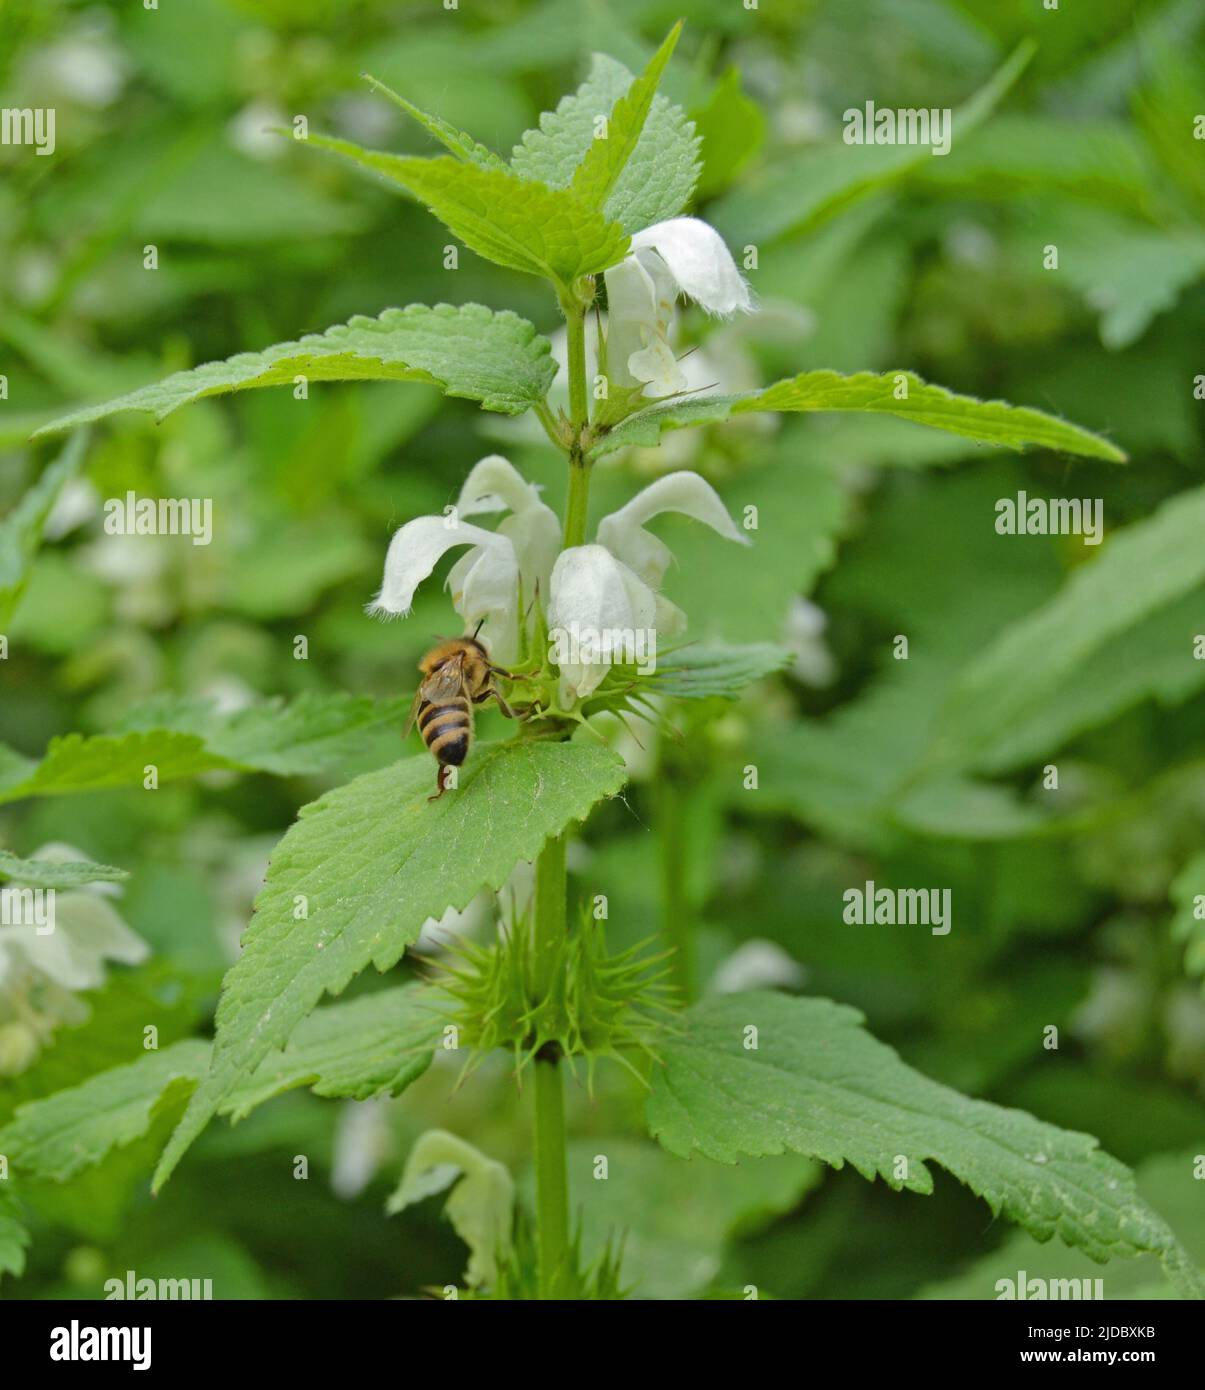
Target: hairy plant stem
x,y
552,1169
575,324
577,503
552,1172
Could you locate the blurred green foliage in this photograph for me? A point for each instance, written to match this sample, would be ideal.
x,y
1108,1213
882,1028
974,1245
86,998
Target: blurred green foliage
x,y
1072,909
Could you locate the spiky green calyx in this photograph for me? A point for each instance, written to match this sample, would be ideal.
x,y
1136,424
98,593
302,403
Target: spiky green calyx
x,y
599,1004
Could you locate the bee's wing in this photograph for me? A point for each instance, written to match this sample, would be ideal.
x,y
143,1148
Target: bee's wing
x,y
418,699
446,683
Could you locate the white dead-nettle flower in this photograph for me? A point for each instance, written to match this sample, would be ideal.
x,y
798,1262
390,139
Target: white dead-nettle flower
x,y
757,964
683,256
47,955
484,582
612,586
254,131
804,637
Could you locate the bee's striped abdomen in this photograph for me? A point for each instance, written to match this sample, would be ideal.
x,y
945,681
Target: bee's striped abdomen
x,y
447,729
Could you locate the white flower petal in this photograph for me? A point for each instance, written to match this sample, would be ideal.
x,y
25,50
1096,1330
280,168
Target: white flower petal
x,y
494,484
623,531
640,300
485,589
416,549
700,263
594,593
533,528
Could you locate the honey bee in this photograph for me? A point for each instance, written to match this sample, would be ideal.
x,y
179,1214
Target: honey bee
x,y
457,674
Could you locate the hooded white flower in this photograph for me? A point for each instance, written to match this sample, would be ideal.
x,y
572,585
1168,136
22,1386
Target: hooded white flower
x,y
611,586
44,962
484,582
682,256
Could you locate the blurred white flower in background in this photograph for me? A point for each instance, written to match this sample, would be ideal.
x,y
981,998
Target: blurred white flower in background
x,y
255,130
757,964
363,1142
85,68
813,663
77,503
42,971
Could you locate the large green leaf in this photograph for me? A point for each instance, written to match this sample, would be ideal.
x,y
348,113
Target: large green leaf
x,y
509,220
1147,565
656,181
817,1083
596,176
897,393
356,1049
21,530
368,864
181,737
78,1128
470,351
1167,1182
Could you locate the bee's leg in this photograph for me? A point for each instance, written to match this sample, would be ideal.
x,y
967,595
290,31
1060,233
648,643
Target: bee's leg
x,y
502,705
441,785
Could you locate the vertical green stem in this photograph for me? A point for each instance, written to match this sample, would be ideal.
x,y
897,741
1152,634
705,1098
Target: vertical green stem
x,y
575,325
552,1173
578,503
552,1169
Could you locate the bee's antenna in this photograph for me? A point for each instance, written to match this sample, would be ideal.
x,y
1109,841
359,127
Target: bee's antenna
x,y
478,628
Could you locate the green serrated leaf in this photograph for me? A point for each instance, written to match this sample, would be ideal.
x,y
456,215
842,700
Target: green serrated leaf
x,y
818,1084
461,145
74,1129
658,177
1166,1181
887,393
355,1050
605,160
994,422
470,351
704,670
1138,571
284,737
46,873
181,737
372,861
511,221
21,531
376,1045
